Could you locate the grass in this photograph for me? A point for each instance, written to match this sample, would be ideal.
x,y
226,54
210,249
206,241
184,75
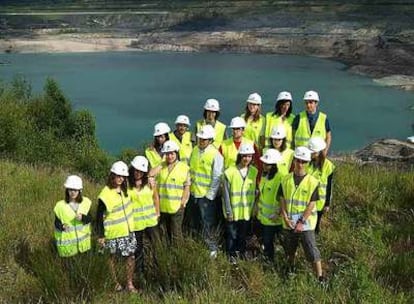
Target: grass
x,y
366,245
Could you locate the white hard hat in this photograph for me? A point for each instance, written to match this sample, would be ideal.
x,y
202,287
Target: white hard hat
x,y
161,128
182,119
73,182
278,132
311,95
206,132
246,149
254,98
140,163
120,168
237,122
303,153
284,95
271,156
316,144
212,105
170,146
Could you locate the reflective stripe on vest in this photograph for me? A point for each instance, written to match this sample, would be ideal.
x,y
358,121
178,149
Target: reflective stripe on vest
x,y
201,167
322,175
171,186
219,128
242,192
272,121
303,133
77,236
253,129
118,221
229,151
186,146
298,198
154,158
144,211
268,205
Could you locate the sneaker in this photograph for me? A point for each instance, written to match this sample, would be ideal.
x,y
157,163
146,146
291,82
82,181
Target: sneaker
x,y
213,254
323,281
233,260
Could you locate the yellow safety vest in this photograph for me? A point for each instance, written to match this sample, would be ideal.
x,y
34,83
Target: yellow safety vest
x,y
201,166
272,121
186,146
253,129
145,214
118,220
220,129
171,186
242,192
268,205
153,157
298,198
321,175
303,133
287,159
77,236
229,151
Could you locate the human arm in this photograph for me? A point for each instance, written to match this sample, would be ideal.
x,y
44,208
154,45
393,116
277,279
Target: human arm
x,y
186,192
283,209
216,174
58,224
308,211
226,200
100,212
156,199
328,193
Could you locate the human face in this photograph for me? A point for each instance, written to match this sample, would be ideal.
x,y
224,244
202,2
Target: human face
x,y
277,143
211,116
161,138
284,107
170,157
315,155
73,194
266,167
300,165
237,133
119,179
138,174
181,128
203,143
253,108
311,106
246,159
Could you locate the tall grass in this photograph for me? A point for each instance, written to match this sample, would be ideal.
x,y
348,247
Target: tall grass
x,y
366,244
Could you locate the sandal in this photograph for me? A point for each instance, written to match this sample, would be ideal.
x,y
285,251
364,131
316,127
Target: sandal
x,y
118,287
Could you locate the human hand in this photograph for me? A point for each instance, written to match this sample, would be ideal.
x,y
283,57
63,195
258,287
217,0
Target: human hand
x,y
299,227
101,242
79,217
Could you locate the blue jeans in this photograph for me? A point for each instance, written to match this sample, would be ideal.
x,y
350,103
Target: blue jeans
x,y
268,234
208,214
236,232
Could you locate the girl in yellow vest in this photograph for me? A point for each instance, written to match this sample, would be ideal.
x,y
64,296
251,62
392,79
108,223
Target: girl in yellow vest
x,y
282,115
278,141
298,195
173,183
115,223
72,220
268,206
182,137
321,168
210,117
145,201
239,197
255,121
153,152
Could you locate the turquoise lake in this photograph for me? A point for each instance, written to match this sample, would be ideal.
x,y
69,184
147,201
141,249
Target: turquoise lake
x,y
128,92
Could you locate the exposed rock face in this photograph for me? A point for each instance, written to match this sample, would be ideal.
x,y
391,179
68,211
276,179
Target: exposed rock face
x,y
387,150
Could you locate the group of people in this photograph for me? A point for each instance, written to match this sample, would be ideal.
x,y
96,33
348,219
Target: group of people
x,y
273,169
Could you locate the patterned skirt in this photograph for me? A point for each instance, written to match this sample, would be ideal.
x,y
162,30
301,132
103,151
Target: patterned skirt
x,y
124,246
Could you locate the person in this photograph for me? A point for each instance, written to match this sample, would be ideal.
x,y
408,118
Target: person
x,y
211,115
239,190
268,212
206,169
255,121
311,123
282,115
173,183
182,137
115,223
323,169
153,152
72,220
230,146
298,195
278,141
146,208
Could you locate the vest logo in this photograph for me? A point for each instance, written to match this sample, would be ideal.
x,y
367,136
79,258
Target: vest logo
x,y
304,192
